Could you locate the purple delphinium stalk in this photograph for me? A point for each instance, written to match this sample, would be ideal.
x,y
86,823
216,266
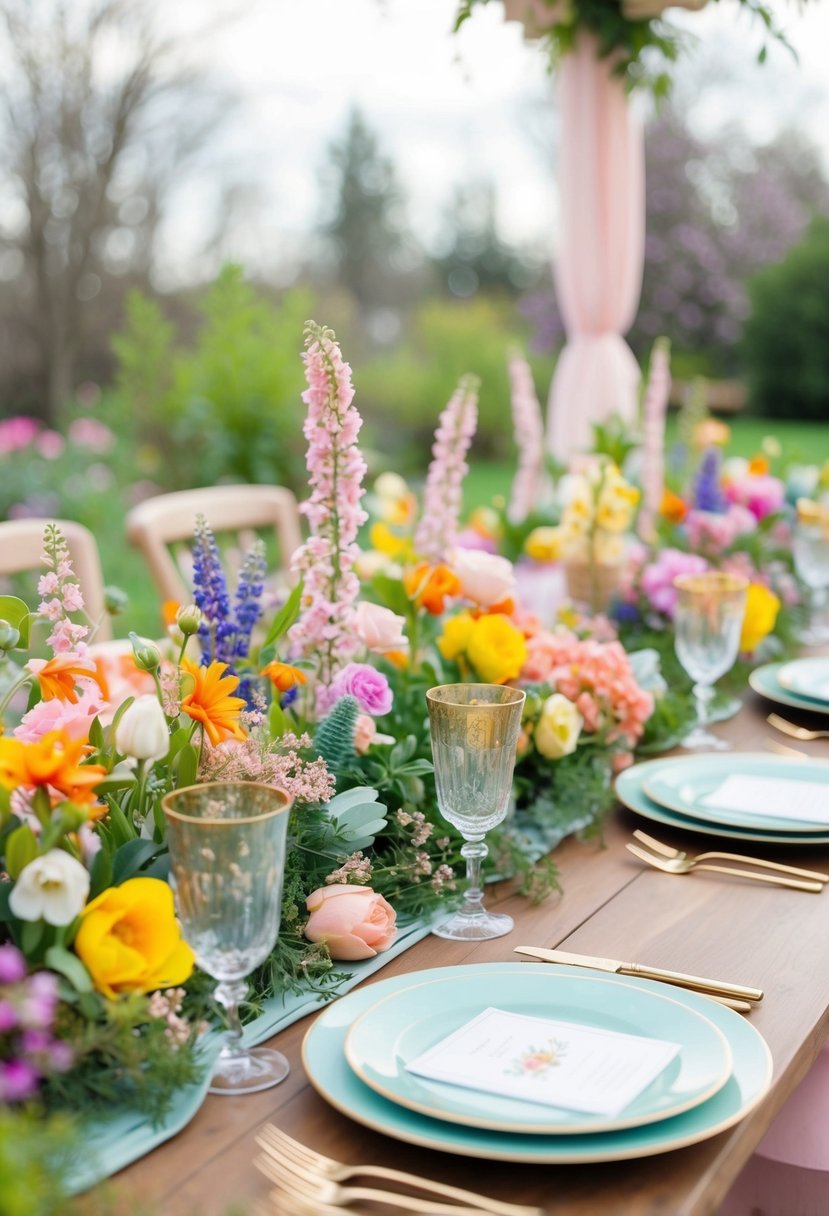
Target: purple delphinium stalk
x,y
247,607
210,594
707,493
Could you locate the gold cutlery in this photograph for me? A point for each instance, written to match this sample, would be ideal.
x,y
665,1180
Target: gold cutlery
x,y
715,988
303,1161
783,750
677,866
803,733
677,854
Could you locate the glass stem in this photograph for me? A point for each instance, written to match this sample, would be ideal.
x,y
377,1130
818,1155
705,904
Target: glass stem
x,y
704,695
230,997
473,900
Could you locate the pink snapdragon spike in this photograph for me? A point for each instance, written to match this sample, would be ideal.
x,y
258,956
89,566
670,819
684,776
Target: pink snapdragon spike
x,y
437,532
528,427
324,633
654,409
60,594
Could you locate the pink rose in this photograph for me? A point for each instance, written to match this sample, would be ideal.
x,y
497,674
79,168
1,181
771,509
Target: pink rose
x,y
353,922
379,629
367,684
485,578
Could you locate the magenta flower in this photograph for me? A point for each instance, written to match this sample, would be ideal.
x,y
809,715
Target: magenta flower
x,y
368,686
658,577
12,965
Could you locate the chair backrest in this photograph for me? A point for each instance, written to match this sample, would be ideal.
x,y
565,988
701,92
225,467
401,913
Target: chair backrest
x,y
159,523
21,544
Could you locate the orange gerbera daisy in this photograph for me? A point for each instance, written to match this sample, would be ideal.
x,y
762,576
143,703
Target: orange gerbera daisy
x,y
429,586
283,676
58,677
53,760
211,702
673,508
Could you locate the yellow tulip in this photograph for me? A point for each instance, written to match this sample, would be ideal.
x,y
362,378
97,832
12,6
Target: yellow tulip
x,y
762,607
496,649
452,642
129,939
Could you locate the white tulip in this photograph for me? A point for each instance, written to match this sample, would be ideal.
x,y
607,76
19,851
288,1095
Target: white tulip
x,y
53,887
558,728
142,731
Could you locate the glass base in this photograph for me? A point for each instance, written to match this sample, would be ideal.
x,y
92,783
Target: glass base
x,y
246,1072
701,739
480,928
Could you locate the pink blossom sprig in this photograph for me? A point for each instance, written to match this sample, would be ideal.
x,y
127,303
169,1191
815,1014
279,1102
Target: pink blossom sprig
x,y
60,594
528,427
256,758
654,409
442,500
324,633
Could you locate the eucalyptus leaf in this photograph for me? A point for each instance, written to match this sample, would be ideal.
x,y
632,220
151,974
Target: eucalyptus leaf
x,y
21,848
69,966
16,612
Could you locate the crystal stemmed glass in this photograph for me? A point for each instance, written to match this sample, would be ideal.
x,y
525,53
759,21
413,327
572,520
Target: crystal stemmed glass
x,y
227,851
708,622
810,545
474,729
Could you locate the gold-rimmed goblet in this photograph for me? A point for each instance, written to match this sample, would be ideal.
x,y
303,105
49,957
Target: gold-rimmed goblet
x,y
474,730
810,547
227,845
708,622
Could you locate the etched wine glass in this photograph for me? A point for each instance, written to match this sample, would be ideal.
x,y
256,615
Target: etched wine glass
x,y
708,622
474,730
810,546
227,845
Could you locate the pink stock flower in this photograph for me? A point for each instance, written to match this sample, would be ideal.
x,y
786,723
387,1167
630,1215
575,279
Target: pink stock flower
x,y
657,579
442,500
60,594
528,428
325,633
353,922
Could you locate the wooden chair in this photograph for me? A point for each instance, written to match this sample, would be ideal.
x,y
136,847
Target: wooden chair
x,y
166,521
21,544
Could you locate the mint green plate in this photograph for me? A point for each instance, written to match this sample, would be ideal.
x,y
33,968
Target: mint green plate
x,y
324,1060
405,1024
807,678
631,793
765,681
683,783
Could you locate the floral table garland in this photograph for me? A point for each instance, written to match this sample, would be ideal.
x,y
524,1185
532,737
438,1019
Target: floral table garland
x,y
99,999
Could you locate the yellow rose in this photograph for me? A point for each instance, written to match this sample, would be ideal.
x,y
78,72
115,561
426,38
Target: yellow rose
x,y
762,607
129,939
456,631
544,544
557,730
496,649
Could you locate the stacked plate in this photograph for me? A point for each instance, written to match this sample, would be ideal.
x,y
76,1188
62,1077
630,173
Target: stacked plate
x,y
803,684
740,795
357,1051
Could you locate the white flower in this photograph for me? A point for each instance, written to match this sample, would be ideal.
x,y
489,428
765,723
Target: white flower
x,y
53,887
485,578
378,628
143,731
558,729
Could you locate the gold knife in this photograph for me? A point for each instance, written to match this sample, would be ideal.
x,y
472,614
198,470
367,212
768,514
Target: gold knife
x,y
696,982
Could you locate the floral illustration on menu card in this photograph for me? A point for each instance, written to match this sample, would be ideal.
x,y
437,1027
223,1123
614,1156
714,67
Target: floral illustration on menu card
x,y
537,1061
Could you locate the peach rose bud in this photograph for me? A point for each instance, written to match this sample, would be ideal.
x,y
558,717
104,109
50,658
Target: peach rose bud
x,y
353,922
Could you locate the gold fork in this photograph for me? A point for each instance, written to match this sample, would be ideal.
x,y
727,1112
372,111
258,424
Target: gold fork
x,y
677,866
667,851
305,1186
304,1160
803,733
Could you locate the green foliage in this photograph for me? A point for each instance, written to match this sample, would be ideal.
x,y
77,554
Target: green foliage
x,y
334,737
226,407
35,1156
786,345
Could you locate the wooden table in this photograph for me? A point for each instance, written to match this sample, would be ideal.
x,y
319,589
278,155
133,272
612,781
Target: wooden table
x,y
703,923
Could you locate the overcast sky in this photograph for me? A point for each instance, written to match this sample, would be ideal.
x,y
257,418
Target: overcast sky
x,y
449,109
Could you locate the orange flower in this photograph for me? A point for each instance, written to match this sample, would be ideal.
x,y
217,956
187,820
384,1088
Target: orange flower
x,y
57,678
283,676
673,508
210,701
54,760
758,466
169,612
429,586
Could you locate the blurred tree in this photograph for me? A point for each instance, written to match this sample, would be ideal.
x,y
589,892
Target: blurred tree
x,y
365,232
786,339
98,120
474,256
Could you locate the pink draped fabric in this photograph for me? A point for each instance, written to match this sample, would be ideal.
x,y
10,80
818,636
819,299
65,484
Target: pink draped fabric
x,y
601,250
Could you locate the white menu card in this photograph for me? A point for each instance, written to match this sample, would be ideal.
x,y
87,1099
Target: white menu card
x,y
563,1064
777,797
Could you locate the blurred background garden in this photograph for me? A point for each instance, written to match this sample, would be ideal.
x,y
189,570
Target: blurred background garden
x,y
180,191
